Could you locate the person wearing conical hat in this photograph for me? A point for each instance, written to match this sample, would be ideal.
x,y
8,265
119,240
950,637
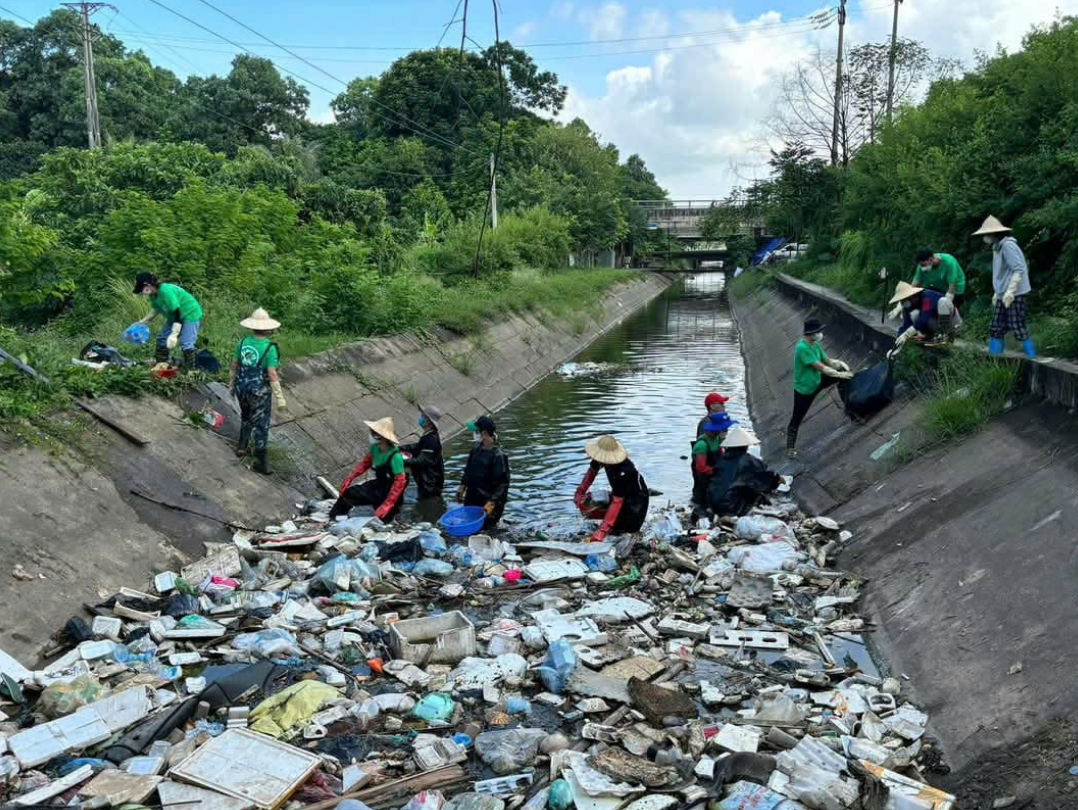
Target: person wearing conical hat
x,y
629,495
424,457
385,491
1010,287
485,481
253,379
942,273
919,313
741,480
706,451
813,372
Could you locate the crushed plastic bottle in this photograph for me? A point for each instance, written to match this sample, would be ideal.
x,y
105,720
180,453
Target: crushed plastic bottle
x,y
558,665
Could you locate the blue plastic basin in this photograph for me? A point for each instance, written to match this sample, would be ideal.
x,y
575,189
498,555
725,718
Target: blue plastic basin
x,y
463,520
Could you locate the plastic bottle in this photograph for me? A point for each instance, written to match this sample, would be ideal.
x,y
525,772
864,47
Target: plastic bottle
x,y
561,795
366,714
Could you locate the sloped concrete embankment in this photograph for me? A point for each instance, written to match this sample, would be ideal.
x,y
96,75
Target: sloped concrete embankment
x,y
969,548
70,518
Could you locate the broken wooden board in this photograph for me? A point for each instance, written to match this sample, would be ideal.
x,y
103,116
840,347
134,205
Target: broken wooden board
x,y
638,666
99,411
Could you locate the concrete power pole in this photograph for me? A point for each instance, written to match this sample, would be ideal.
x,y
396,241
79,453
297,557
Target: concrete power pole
x,y
493,197
891,67
93,118
838,82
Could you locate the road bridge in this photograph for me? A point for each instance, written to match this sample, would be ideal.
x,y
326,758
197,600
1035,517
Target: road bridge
x,y
683,219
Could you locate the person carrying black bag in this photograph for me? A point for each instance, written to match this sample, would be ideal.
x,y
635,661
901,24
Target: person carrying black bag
x,y
253,379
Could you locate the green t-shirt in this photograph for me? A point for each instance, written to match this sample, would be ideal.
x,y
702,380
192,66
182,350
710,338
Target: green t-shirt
x,y
941,278
806,378
169,298
396,464
706,444
251,351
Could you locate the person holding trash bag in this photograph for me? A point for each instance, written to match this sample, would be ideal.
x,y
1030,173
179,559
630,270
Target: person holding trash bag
x,y
485,481
386,490
715,403
813,372
941,273
706,451
424,457
629,495
182,313
252,379
1010,286
741,480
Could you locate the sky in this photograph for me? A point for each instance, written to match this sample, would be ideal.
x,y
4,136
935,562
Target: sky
x,y
691,106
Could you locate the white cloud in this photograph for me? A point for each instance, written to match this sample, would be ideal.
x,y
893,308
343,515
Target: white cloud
x,y
695,113
524,30
605,22
652,23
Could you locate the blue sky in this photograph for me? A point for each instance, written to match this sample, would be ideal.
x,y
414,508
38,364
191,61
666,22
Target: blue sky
x,y
694,107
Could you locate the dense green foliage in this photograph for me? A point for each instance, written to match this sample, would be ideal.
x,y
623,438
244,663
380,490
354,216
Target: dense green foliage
x,y
370,225
1001,139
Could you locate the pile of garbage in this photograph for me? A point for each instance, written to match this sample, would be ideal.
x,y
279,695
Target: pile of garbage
x,y
358,665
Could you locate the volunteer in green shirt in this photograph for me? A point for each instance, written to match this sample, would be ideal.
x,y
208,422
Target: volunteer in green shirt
x,y
386,489
182,313
254,377
813,372
942,272
706,452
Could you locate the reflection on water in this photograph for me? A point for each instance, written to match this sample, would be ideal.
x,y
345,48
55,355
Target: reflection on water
x,y
647,389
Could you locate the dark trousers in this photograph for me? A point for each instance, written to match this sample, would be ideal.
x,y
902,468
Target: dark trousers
x,y
369,493
631,517
802,403
255,411
475,498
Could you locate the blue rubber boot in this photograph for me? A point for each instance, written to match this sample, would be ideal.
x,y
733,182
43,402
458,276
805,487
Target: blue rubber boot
x,y
1027,347
995,345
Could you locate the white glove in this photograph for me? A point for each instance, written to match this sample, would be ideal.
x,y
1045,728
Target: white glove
x,y
995,299
834,372
895,313
950,297
839,365
275,387
174,337
901,339
1008,298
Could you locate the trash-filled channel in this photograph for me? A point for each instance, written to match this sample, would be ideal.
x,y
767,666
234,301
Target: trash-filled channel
x,y
318,664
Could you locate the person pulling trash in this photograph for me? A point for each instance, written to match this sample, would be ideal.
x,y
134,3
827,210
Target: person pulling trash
x,y
715,403
182,313
813,372
485,481
1010,287
386,489
629,495
424,457
706,451
253,378
741,481
941,273
920,316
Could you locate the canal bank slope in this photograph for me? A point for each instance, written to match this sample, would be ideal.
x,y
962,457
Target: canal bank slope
x,y
969,547
69,515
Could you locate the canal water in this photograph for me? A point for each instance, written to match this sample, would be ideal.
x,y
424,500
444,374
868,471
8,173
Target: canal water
x,y
643,381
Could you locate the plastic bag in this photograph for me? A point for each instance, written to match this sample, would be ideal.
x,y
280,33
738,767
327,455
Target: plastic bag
x,y
319,787
364,574
752,527
333,575
275,643
870,390
561,795
558,665
437,707
426,800
137,333
60,699
509,750
433,568
601,562
667,527
181,604
433,543
764,558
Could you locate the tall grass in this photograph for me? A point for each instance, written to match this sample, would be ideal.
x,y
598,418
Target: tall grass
x,y
753,279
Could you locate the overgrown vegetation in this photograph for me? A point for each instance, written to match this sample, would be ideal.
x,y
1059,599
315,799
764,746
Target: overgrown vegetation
x,y
367,226
999,139
753,279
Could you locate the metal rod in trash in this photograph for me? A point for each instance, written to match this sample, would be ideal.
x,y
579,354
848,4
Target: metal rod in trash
x,y
19,364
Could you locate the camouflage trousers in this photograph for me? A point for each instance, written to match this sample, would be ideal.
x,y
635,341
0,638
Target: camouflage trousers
x,y
255,412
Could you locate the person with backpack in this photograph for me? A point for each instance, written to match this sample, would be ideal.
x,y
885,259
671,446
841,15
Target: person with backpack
x,y
253,379
386,490
182,313
485,481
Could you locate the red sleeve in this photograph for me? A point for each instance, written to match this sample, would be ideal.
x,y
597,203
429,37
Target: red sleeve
x,y
360,468
926,304
608,522
702,465
395,491
585,485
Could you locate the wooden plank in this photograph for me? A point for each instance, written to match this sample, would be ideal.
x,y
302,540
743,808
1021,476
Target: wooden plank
x,y
132,436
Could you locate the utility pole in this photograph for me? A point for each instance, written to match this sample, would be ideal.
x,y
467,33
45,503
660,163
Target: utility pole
x,y
891,68
93,118
838,82
493,197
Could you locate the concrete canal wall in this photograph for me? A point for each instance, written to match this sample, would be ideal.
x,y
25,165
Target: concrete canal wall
x,y
68,515
969,548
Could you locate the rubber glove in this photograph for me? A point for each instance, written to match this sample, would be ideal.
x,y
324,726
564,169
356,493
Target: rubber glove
x,y
174,337
901,339
839,365
950,297
275,387
488,507
895,313
1012,288
832,372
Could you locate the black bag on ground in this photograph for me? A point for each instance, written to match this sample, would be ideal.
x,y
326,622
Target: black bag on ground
x,y
870,390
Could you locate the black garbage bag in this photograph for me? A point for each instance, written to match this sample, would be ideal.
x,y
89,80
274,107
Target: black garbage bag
x,y
207,361
180,605
870,390
94,352
740,482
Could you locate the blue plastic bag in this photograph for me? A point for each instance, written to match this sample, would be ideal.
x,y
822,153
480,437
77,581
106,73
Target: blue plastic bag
x,y
137,333
558,665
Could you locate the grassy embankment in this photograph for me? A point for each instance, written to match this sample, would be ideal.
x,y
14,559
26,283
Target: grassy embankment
x,y
574,296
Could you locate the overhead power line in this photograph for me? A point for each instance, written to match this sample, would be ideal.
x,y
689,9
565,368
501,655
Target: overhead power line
x,y
19,16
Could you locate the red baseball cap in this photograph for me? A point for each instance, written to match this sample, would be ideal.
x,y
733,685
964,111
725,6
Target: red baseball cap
x,y
714,398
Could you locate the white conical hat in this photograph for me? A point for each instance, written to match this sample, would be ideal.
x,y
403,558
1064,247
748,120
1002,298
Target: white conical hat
x,y
991,225
260,321
904,291
739,437
606,450
384,428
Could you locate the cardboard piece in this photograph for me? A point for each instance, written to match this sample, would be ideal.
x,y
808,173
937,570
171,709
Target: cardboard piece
x,y
120,787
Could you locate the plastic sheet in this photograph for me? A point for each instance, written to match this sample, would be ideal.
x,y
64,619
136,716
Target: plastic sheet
x,y
753,527
60,699
275,643
509,750
764,558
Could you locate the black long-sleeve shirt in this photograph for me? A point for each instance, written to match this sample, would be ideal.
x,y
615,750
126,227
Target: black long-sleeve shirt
x,y
486,474
426,464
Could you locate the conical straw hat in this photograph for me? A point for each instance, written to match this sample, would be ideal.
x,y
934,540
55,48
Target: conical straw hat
x,y
606,450
904,291
991,225
384,428
260,321
739,437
